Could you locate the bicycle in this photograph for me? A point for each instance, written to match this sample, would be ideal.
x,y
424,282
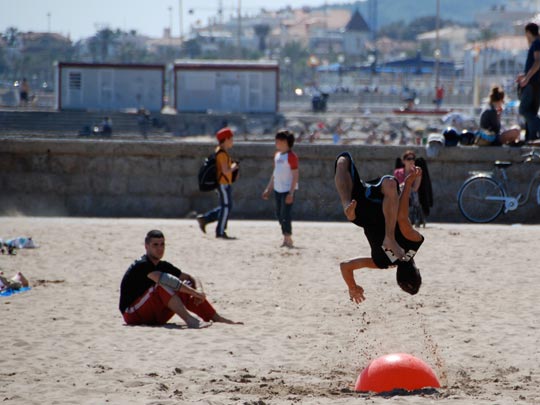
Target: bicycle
x,y
485,195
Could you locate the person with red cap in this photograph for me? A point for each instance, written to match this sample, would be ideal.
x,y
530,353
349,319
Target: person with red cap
x,y
226,171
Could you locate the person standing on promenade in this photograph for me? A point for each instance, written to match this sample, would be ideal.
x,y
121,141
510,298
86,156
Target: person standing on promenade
x,y
529,84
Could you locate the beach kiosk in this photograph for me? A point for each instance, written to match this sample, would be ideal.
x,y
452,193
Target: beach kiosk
x,y
109,87
226,86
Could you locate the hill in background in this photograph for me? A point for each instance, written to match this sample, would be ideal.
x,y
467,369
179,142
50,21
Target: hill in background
x,y
389,11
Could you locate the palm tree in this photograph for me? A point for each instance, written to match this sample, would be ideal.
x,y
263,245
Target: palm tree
x,y
11,36
262,31
100,43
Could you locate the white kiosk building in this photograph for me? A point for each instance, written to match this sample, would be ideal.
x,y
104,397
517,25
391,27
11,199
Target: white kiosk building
x,y
226,86
109,87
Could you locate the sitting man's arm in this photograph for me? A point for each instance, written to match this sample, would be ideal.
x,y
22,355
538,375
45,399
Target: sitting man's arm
x,y
175,283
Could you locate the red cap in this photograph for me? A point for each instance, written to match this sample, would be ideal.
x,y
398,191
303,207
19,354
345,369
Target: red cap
x,y
224,134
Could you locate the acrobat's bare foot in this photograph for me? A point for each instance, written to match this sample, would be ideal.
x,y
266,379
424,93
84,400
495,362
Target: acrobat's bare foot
x,y
393,246
350,210
218,318
21,279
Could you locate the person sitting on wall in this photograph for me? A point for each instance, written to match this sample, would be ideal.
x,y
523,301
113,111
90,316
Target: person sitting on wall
x,y
491,132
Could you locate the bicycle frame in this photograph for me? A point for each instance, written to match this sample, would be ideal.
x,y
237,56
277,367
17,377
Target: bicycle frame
x,y
511,202
519,200
494,192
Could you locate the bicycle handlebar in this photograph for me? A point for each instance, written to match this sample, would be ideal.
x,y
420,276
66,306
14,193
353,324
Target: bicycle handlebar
x,y
531,155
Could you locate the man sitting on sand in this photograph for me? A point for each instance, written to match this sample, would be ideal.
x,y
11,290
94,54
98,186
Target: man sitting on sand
x,y
378,208
152,291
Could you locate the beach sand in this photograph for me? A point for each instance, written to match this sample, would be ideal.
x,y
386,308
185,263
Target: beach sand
x,y
476,319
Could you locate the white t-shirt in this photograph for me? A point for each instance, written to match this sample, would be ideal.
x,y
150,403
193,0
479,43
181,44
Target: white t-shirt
x,y
284,164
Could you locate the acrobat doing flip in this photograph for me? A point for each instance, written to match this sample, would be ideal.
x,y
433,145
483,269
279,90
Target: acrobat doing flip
x,y
383,213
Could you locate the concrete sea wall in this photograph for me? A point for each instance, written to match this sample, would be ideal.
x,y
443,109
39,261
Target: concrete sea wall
x,y
115,178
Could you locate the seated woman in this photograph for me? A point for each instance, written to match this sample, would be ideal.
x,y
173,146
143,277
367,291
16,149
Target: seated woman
x,y
416,214
491,133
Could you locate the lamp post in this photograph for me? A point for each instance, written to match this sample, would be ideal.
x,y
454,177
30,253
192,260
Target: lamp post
x,y
170,20
341,60
288,87
437,45
180,20
239,34
48,22
476,96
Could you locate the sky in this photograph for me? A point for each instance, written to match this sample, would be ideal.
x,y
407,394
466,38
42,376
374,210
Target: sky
x,y
82,19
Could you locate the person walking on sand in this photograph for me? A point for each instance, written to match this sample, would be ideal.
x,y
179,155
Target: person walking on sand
x,y
383,213
226,172
284,183
153,290
529,84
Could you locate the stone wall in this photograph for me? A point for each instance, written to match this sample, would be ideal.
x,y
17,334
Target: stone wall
x,y
158,179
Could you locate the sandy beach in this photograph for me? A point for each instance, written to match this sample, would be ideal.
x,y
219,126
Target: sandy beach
x,y
476,319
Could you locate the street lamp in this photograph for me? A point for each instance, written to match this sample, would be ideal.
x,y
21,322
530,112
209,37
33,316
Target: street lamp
x,y
437,45
180,20
476,96
287,62
341,60
170,21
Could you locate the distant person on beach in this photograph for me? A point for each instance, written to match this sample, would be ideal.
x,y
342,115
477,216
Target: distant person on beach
x,y
143,121
408,160
383,213
226,172
439,96
284,183
401,173
106,126
529,84
16,282
491,131
152,291
410,99
24,92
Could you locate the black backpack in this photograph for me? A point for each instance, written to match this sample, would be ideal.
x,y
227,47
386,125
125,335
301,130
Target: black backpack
x,y
208,180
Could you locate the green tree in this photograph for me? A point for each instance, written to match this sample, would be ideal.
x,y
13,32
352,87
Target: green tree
x,y
191,48
127,48
101,44
486,35
11,36
298,70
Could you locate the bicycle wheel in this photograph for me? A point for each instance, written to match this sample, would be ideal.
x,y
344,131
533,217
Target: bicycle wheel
x,y
473,202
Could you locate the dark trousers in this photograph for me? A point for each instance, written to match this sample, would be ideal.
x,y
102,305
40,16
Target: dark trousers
x,y
221,213
528,107
283,213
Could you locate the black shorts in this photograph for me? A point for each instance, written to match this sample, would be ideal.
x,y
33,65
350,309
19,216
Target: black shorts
x,y
368,196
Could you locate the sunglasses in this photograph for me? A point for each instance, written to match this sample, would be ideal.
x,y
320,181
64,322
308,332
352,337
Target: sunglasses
x,y
409,158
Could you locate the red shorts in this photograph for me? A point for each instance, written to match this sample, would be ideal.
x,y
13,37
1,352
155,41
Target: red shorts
x,y
152,307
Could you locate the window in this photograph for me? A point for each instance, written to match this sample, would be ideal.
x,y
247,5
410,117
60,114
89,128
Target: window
x,y
75,81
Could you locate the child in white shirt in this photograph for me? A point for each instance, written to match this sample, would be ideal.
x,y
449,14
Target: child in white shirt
x,y
284,183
